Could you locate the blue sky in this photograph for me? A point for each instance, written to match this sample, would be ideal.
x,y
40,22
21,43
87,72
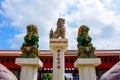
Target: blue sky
x,y
101,16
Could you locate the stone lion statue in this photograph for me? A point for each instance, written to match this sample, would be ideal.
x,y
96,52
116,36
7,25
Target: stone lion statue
x,y
85,47
60,31
30,45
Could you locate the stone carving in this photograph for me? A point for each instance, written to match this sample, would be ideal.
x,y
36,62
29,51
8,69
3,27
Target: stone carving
x,y
85,47
6,74
30,46
60,31
113,73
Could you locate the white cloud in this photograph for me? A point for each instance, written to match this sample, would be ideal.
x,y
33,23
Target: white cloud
x,y
16,41
37,12
97,16
2,24
106,43
71,35
44,14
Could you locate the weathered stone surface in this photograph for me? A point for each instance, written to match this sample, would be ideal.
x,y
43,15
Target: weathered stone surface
x,y
6,74
60,31
113,73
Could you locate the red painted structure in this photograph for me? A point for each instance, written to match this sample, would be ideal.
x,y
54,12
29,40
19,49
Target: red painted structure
x,y
108,58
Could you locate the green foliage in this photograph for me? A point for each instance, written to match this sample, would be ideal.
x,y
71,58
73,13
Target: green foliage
x,y
47,76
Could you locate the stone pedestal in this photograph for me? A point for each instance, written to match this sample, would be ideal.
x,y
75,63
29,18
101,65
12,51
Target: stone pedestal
x,y
86,68
58,47
29,68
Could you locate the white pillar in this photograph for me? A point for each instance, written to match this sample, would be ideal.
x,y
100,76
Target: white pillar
x,y
29,68
86,68
58,47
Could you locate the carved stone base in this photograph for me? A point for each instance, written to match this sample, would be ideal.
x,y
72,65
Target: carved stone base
x,y
29,52
83,55
86,52
32,55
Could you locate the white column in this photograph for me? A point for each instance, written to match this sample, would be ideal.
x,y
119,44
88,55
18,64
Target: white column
x,y
80,73
58,47
23,72
29,68
86,68
58,65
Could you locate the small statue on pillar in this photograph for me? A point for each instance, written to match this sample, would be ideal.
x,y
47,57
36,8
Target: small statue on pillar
x,y
60,31
30,46
85,47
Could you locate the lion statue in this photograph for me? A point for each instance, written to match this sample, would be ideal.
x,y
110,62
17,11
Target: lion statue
x,y
30,45
60,31
85,47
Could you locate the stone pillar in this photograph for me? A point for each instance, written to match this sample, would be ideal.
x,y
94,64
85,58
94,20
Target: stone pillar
x,y
86,68
29,68
58,47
